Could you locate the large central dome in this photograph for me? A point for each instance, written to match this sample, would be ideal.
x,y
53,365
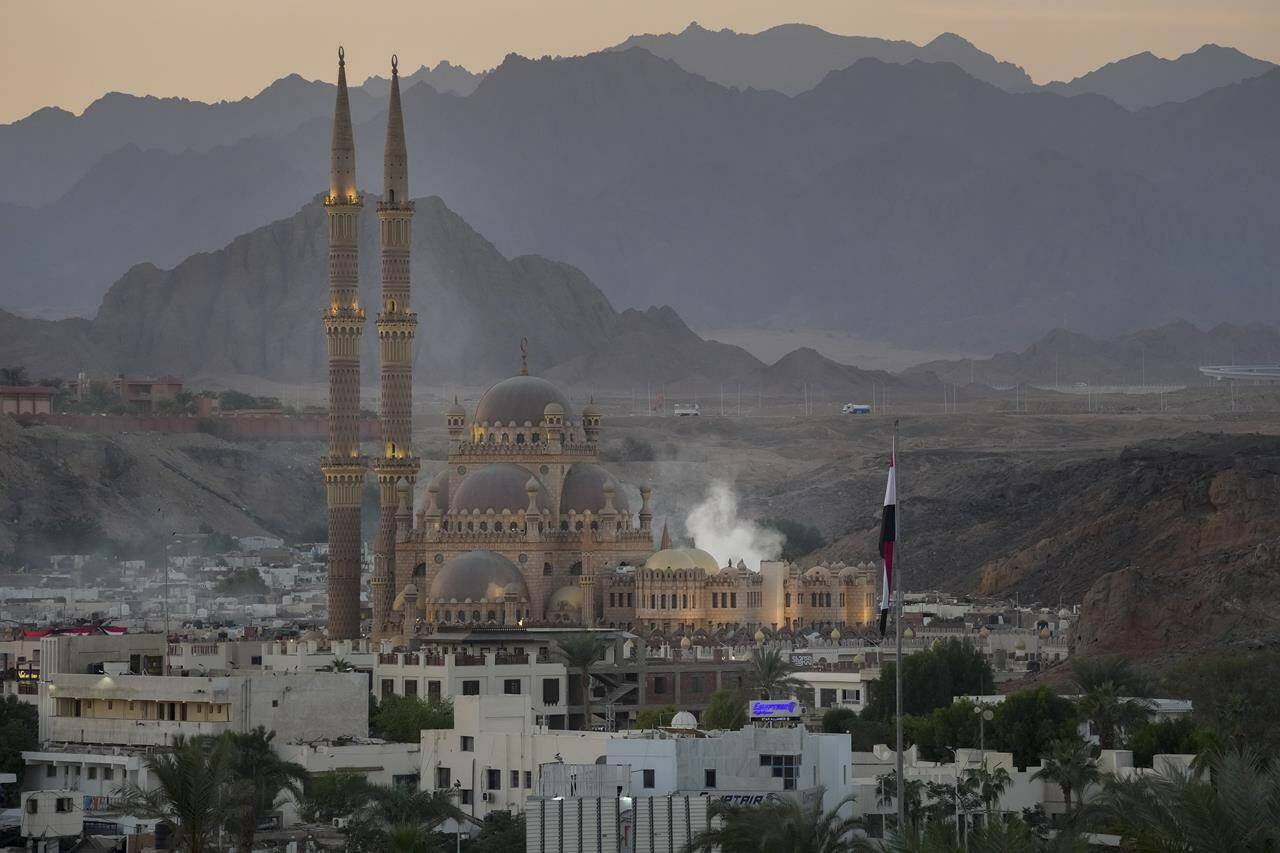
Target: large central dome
x,y
477,576
519,399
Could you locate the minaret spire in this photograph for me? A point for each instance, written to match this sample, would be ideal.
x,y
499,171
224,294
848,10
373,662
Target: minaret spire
x,y
343,466
342,152
397,325
666,538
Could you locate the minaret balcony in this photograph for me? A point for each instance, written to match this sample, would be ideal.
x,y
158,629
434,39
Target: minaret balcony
x,y
395,207
409,319
353,200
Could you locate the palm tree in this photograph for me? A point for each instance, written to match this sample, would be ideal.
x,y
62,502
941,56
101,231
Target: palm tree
x,y
399,806
912,793
192,778
338,664
779,826
579,652
1071,767
1236,809
770,674
1105,685
258,777
989,784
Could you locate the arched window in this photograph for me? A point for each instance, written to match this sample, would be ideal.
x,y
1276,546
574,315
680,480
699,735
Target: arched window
x,y
519,438
576,569
497,526
462,616
447,615
595,525
475,615
663,599
546,568
577,526
564,525
484,527
420,570
493,439
537,438
493,617
391,196
684,600
471,525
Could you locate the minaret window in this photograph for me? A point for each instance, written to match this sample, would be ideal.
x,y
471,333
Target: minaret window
x,y
391,196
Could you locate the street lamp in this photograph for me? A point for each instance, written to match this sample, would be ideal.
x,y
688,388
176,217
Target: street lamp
x,y
984,715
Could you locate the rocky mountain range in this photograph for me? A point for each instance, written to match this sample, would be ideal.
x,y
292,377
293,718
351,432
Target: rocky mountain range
x,y
1146,80
909,200
793,58
252,308
1166,355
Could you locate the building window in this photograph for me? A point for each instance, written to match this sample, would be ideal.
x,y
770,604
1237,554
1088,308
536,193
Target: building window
x,y
93,773
647,780
787,598
388,687
468,743
107,774
33,806
695,683
684,600
471,688
663,598
708,778
442,778
550,691
51,771
466,792
630,600
659,684
528,779
493,779
611,601
511,686
784,767
433,690
411,687
546,568
733,601
827,697
63,804
515,779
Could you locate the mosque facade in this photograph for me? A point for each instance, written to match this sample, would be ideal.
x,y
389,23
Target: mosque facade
x,y
524,526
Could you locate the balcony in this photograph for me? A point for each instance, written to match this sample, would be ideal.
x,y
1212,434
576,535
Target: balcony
x,y
502,659
468,660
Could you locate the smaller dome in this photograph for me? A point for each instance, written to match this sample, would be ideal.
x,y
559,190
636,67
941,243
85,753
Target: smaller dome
x,y
684,720
817,573
519,399
685,643
1021,645
835,635
585,487
496,487
683,558
849,573
567,596
1045,633
478,576
908,633
759,638
591,410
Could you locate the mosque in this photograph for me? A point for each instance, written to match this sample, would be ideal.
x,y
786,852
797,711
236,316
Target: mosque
x,y
524,526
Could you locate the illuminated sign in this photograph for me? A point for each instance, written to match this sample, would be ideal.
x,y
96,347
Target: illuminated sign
x,y
28,675
771,709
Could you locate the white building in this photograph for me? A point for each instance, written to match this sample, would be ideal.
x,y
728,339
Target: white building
x,y
837,689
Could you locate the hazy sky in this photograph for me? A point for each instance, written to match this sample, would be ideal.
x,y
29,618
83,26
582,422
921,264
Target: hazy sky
x,y
68,52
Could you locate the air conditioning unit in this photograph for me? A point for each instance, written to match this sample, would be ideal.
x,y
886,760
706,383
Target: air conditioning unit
x,y
485,796
341,822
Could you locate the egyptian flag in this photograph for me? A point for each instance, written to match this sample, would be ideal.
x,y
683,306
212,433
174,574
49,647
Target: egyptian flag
x,y
888,533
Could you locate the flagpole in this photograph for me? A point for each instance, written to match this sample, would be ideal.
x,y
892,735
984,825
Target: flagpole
x,y
897,621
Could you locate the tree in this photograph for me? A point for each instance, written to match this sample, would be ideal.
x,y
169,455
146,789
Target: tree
x,y
1180,736
339,664
579,652
192,785
502,832
943,729
1028,721
1071,767
338,794
258,777
14,376
989,784
1227,689
930,679
779,826
1103,684
655,718
1235,808
770,675
241,582
864,734
402,718
726,710
912,794
19,730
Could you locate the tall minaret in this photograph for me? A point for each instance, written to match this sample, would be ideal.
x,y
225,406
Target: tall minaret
x,y
396,327
344,467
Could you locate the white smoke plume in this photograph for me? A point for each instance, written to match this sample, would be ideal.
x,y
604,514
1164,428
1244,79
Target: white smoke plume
x,y
716,528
